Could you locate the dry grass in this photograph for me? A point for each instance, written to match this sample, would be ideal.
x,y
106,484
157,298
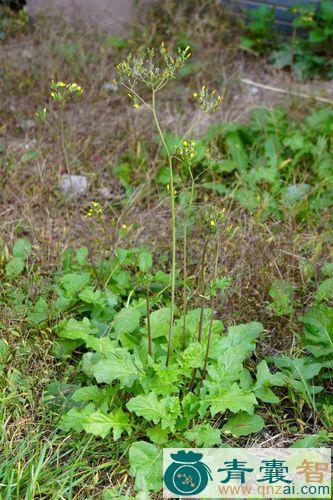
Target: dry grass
x,y
100,129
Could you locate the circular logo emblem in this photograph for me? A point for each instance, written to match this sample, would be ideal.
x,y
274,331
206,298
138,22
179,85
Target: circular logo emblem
x,y
186,475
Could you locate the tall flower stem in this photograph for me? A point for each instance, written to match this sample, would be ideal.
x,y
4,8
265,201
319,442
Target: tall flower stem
x,y
204,369
150,344
188,211
203,299
173,227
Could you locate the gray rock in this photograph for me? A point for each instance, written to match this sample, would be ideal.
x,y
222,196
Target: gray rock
x,y
105,193
73,184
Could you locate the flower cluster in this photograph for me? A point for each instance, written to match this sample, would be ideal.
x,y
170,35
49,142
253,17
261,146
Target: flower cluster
x,y
208,100
186,151
151,68
41,114
61,91
212,218
95,211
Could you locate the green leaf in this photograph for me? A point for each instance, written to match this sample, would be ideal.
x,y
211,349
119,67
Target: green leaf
x,y
83,330
40,311
267,379
311,440
158,435
193,356
118,365
92,393
165,410
73,283
22,248
90,295
324,291
267,395
231,351
81,255
160,322
318,331
96,422
281,292
234,399
62,348
236,150
243,424
14,267
204,435
127,320
75,418
4,352
100,424
145,261
146,462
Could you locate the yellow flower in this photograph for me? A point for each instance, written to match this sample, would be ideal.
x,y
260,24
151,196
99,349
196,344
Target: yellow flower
x,y
185,143
195,94
136,105
212,223
124,226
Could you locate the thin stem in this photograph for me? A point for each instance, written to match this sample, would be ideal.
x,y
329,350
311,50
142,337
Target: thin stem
x,y
188,211
150,344
202,288
173,228
204,369
202,307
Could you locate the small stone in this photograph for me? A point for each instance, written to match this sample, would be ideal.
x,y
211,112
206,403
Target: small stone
x,y
110,87
105,193
73,184
254,90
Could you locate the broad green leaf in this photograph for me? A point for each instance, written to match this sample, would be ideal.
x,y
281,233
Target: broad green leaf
x,y
243,424
63,348
165,410
83,330
158,435
145,261
81,255
234,399
14,267
204,435
100,424
126,320
96,422
73,283
267,379
236,150
318,331
92,393
146,462
324,291
267,395
231,351
118,365
75,418
90,295
160,322
22,248
311,440
162,380
40,311
193,356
